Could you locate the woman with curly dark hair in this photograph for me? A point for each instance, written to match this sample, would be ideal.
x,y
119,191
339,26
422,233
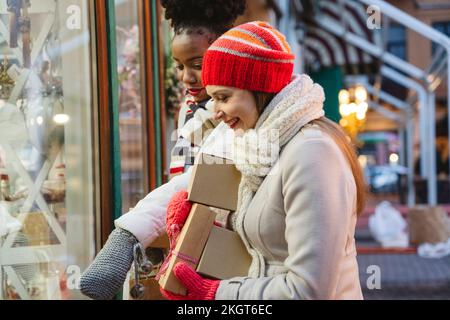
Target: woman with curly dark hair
x,y
196,24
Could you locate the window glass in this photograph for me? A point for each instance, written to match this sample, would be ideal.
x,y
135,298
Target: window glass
x,y
47,194
396,42
130,102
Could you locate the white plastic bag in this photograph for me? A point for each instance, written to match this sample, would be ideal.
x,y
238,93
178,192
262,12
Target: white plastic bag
x,y
12,123
434,251
388,227
8,224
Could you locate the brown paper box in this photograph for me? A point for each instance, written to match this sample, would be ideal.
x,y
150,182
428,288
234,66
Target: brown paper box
x,y
428,224
151,287
191,242
215,183
224,256
162,242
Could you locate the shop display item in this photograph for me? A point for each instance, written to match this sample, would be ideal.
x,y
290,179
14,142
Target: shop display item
x,y
5,188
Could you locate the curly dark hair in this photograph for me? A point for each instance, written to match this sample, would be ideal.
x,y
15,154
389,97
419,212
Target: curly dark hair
x,y
217,16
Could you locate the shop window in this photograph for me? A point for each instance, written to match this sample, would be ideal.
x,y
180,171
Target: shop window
x,y
47,160
131,113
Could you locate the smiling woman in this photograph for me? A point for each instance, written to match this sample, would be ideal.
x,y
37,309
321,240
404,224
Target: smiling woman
x,y
301,188
195,29
187,51
239,109
236,107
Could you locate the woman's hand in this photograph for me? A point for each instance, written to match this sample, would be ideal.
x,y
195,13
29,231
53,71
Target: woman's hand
x,y
197,287
178,211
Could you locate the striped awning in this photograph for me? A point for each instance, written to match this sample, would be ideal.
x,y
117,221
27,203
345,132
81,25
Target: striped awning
x,y
324,49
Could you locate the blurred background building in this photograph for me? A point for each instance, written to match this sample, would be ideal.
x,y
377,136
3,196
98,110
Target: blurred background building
x,y
88,105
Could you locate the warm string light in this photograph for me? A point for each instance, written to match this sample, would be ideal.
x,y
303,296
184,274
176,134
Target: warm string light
x,y
353,108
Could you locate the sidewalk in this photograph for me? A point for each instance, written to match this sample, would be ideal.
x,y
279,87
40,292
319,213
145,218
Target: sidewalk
x,y
404,275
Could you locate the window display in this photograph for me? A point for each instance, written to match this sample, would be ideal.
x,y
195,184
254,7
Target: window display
x,y
131,113
47,162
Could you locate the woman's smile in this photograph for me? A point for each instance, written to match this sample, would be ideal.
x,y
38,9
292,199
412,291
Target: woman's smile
x,y
233,123
236,107
196,91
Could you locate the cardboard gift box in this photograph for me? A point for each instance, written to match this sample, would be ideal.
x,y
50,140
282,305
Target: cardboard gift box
x,y
428,225
161,242
214,182
151,288
190,243
224,256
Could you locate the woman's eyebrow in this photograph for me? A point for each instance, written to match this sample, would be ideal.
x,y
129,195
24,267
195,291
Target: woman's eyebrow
x,y
188,60
195,58
223,92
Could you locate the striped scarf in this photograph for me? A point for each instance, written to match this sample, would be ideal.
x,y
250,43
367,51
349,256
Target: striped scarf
x,y
194,127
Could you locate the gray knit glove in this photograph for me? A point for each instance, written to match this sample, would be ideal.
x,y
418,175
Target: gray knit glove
x,y
106,275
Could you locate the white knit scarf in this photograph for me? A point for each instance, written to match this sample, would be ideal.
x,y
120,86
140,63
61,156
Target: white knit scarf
x,y
256,152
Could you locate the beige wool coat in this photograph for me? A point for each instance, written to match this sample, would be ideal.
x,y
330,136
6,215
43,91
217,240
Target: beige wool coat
x,y
302,219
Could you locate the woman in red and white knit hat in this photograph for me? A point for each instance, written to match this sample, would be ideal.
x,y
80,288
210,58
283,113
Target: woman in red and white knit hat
x,y
302,187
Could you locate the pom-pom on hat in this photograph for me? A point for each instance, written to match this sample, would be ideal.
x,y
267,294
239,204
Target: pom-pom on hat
x,y
253,56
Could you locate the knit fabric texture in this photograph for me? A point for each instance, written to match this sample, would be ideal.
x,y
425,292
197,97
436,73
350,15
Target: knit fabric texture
x,y
178,211
197,287
106,275
253,56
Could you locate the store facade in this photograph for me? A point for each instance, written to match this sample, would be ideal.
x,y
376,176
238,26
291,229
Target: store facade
x,y
88,101
82,126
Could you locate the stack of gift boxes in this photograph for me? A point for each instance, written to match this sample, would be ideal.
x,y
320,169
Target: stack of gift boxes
x,y
215,252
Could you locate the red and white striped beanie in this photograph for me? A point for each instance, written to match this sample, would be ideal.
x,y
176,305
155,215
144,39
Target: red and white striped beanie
x,y
253,56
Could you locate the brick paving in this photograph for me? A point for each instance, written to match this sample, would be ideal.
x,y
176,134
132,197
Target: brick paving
x,y
406,277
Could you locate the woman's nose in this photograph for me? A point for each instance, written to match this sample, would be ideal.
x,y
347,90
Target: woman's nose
x,y
218,115
189,78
